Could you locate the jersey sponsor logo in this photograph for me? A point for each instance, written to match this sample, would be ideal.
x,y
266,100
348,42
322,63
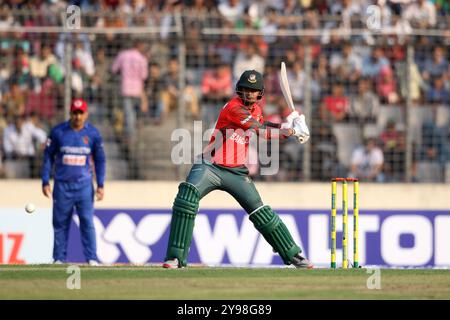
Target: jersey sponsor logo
x,y
238,138
86,140
74,160
75,150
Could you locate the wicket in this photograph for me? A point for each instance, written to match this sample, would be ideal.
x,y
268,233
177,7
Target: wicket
x,y
345,181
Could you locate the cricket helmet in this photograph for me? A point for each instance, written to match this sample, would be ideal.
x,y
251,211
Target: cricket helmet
x,y
251,79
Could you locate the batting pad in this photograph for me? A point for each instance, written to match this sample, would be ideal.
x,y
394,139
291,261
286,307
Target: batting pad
x,y
275,232
184,211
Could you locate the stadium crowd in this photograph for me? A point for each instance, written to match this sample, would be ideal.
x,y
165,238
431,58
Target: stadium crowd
x,y
355,79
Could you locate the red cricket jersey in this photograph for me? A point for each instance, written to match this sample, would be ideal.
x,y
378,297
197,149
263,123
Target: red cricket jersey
x,y
229,143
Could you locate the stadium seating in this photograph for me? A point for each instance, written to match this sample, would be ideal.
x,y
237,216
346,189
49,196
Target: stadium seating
x,y
348,138
442,116
116,169
387,113
447,172
16,169
429,172
418,116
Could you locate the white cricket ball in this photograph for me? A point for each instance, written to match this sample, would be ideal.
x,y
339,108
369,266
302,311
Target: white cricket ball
x,y
30,207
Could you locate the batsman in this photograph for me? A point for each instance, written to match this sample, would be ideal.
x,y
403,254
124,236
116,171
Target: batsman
x,y
223,168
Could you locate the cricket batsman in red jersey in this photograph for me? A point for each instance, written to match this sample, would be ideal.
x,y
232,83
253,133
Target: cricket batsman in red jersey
x,y
223,168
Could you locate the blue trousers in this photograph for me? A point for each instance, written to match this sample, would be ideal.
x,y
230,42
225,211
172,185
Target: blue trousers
x,y
66,198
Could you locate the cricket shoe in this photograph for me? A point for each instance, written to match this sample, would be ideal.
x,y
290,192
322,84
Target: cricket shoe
x,y
58,262
93,263
172,264
301,262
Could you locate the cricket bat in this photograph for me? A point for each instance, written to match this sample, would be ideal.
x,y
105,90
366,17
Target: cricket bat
x,y
284,84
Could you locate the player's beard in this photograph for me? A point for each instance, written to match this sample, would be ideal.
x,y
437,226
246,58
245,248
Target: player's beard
x,y
247,99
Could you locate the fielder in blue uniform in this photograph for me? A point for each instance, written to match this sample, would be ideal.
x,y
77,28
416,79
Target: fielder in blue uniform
x,y
75,148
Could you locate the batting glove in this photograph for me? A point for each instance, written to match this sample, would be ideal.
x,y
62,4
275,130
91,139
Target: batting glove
x,y
290,118
301,130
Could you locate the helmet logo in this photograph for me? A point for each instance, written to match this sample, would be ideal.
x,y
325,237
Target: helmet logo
x,y
252,78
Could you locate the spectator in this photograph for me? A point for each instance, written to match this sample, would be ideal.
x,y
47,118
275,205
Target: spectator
x,y
6,18
2,170
114,19
442,7
367,162
44,102
269,26
411,85
160,53
324,161
14,100
335,107
39,65
297,81
21,71
225,47
365,105
321,75
289,15
273,103
154,87
21,139
272,83
217,88
385,14
11,42
350,11
232,11
373,64
133,68
3,121
386,86
5,74
433,148
172,92
389,137
292,153
421,14
436,66
394,149
200,8
82,52
195,53
87,5
78,77
248,58
101,82
438,93
346,64
65,38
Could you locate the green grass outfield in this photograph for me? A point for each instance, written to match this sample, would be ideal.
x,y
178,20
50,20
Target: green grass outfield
x,y
211,283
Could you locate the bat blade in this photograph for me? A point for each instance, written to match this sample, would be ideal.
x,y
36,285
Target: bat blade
x,y
284,84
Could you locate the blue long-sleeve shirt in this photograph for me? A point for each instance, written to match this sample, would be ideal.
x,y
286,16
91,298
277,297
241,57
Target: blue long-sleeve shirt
x,y
72,151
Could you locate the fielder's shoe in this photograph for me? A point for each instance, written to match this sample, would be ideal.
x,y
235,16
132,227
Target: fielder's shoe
x,y
172,264
301,262
58,262
93,263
